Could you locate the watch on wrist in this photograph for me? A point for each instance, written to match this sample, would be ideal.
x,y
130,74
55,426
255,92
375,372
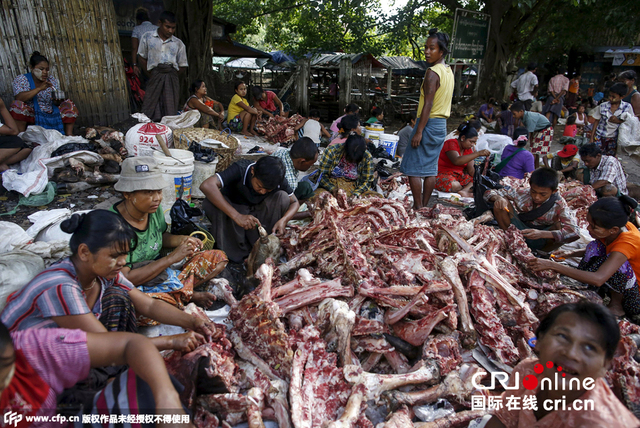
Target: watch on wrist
x,y
135,65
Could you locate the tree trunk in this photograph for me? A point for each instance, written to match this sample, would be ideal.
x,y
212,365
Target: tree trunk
x,y
194,22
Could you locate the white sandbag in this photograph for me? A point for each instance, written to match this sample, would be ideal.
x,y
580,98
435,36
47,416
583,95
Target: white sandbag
x,y
46,225
34,174
12,237
141,138
17,268
44,219
184,120
50,252
629,134
495,143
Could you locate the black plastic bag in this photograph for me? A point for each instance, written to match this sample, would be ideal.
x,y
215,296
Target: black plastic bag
x,y
378,152
74,147
484,179
181,214
202,154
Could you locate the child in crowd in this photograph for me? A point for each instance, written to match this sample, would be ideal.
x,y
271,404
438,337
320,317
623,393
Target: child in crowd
x,y
540,130
608,119
505,121
566,160
376,115
312,128
581,120
516,161
486,114
350,109
570,129
404,134
268,103
348,125
538,211
241,116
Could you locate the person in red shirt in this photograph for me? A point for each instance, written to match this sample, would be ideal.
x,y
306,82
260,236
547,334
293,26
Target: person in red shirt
x,y
455,164
611,259
570,129
268,103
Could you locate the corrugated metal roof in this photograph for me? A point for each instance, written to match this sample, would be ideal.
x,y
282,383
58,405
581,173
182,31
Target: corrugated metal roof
x,y
333,60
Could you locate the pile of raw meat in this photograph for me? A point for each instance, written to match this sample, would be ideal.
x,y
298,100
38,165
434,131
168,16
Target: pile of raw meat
x,y
279,129
376,311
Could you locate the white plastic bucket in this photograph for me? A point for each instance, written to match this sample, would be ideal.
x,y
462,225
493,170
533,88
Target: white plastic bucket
x,y
176,172
390,143
374,134
201,171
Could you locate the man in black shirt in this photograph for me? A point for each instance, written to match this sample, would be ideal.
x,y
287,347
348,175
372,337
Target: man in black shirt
x,y
242,197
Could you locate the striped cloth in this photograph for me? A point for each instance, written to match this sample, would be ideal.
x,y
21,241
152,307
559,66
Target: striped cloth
x,y
54,292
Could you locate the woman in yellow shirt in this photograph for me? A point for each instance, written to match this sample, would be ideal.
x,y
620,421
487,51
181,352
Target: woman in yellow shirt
x,y
420,161
242,117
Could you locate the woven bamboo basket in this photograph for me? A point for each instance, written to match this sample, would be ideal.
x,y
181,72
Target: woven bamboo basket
x,y
182,138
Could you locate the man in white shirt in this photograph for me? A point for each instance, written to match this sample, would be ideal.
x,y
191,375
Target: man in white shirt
x,y
143,25
162,55
526,86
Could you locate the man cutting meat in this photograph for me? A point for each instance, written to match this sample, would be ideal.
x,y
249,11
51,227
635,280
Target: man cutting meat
x,y
243,197
540,212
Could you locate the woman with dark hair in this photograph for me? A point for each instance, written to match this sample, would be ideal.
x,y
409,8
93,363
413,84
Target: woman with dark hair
x,y
348,124
404,134
575,345
377,115
83,291
141,185
629,78
209,109
349,110
455,165
612,258
347,166
516,161
420,159
268,103
39,100
241,117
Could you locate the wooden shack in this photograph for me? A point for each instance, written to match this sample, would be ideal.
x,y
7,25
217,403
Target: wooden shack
x,y
80,39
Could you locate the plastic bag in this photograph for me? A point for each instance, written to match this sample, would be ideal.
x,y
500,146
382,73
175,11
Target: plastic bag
x,y
429,413
202,154
17,268
74,147
495,143
36,200
184,120
181,214
12,237
629,134
141,138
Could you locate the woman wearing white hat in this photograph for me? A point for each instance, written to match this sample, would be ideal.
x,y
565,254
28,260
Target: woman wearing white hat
x,y
141,185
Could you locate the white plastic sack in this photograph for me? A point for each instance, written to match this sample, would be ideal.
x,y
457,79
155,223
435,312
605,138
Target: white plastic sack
x,y
495,143
629,134
43,220
12,237
184,120
17,268
34,177
141,138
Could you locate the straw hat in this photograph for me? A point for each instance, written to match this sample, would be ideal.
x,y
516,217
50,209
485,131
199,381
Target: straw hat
x,y
140,173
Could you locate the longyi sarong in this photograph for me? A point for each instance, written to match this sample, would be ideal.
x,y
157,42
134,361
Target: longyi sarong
x,y
163,91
